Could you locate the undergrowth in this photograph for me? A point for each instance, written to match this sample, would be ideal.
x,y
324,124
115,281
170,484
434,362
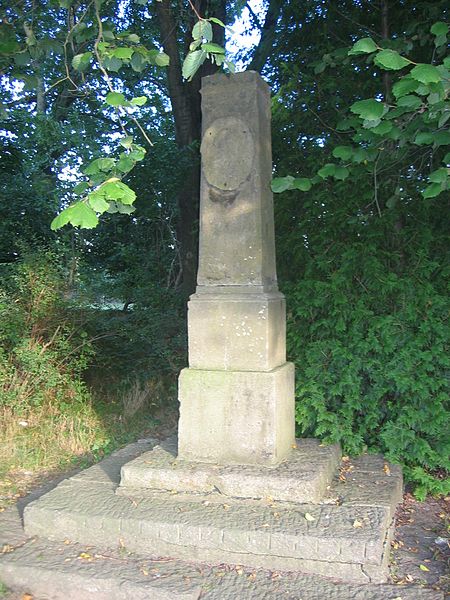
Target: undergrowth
x,y
49,417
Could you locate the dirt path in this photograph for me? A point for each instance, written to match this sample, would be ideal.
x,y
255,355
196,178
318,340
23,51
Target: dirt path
x,y
421,549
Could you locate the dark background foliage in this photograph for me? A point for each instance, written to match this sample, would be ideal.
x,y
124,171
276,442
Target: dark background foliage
x,y
363,261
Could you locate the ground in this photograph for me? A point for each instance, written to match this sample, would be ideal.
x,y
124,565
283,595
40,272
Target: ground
x,y
420,550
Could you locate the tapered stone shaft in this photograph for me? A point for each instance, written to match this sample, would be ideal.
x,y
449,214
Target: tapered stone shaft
x,y
237,396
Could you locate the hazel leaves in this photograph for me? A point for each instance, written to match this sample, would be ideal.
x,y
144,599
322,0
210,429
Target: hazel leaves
x,y
202,47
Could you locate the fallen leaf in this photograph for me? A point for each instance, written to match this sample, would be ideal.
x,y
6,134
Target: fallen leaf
x,y
423,568
265,525
144,571
294,446
226,506
309,517
27,597
85,556
357,524
386,469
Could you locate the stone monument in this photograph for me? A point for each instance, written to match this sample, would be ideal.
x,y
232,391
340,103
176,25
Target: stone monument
x,y
236,488
237,396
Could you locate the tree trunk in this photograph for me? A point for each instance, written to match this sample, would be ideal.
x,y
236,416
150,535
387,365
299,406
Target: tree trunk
x,y
186,106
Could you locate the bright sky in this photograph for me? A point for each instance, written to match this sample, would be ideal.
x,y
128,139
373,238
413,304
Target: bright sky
x,y
244,35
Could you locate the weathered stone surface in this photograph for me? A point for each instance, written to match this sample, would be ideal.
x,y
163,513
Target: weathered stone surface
x,y
237,245
302,477
50,570
257,534
242,332
241,417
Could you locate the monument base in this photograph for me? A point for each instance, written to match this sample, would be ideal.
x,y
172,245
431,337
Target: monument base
x,y
345,535
302,477
236,417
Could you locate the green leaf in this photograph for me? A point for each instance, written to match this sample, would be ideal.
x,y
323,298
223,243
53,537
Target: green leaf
x,y
195,44
281,184
327,170
123,53
100,164
424,137
97,201
125,209
162,59
22,59
115,99
341,173
343,152
391,60
81,62
410,101
230,65
192,63
126,141
79,215
302,183
446,159
441,138
139,101
432,190
439,28
426,73
133,38
368,109
364,46
383,128
404,86
137,62
80,188
210,47
202,29
112,63
439,176
137,152
117,190
125,163
217,21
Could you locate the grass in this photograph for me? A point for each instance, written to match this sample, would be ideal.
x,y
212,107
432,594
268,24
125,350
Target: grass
x,y
3,590
45,440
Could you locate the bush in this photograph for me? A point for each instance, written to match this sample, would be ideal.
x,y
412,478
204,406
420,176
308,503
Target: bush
x,y
371,351
43,351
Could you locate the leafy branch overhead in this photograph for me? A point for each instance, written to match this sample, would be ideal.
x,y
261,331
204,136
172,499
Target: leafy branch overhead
x,y
203,48
416,116
103,191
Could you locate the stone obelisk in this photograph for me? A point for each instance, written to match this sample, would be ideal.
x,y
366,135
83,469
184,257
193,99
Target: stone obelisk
x,y
237,396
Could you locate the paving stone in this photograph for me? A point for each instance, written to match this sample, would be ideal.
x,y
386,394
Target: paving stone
x,y
303,477
71,571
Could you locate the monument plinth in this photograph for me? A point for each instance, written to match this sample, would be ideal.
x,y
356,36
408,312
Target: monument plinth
x,y
237,396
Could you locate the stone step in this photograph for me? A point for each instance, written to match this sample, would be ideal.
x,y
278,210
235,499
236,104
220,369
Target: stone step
x,y
347,540
69,571
303,477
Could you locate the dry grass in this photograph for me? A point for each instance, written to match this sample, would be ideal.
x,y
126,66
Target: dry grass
x,y
42,440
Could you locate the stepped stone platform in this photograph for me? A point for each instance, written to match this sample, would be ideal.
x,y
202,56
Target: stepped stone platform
x,y
303,477
83,540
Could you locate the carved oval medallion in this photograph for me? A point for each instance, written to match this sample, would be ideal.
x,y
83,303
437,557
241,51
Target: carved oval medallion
x,y
227,153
